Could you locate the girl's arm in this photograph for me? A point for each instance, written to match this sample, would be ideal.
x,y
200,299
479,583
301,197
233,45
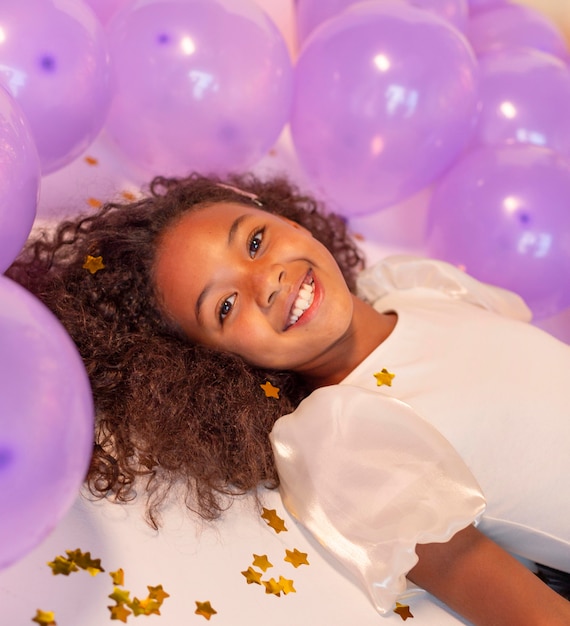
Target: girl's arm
x,y
486,585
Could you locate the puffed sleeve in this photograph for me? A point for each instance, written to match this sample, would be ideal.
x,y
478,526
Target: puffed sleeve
x,y
370,479
400,272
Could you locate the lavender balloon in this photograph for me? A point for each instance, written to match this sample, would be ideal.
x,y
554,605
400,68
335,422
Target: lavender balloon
x,y
514,25
377,115
311,13
503,213
105,9
19,179
526,99
54,61
46,422
482,5
201,84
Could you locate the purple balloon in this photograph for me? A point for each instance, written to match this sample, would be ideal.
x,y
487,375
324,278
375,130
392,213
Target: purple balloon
x,y
311,13
54,60
526,99
19,179
377,115
46,421
503,213
515,25
482,5
201,84
105,9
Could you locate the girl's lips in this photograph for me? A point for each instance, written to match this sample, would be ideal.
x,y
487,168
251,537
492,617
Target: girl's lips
x,y
311,287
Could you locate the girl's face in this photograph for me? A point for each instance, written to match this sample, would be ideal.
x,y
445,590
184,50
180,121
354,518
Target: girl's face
x,y
241,280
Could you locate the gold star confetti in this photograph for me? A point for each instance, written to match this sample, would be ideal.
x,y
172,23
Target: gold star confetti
x,y
252,576
286,585
272,586
262,562
61,565
91,160
204,609
403,610
273,520
120,596
94,202
128,195
157,593
45,618
85,562
384,378
148,606
270,390
93,263
296,558
118,577
119,612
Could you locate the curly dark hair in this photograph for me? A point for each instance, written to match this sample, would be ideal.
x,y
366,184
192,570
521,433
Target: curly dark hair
x,y
167,411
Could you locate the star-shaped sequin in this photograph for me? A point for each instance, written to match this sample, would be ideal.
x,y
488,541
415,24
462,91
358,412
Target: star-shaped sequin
x,y
45,618
273,520
252,576
118,577
85,562
286,585
261,561
204,609
403,610
272,586
119,612
93,263
120,596
270,390
384,377
61,565
157,593
296,558
148,606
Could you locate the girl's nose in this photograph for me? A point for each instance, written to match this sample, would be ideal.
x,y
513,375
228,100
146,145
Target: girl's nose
x,y
267,283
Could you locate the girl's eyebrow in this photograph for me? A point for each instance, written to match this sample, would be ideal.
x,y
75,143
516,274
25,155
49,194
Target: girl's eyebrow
x,y
231,235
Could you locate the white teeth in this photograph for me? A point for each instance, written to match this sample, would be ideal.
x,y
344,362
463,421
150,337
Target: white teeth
x,y
302,303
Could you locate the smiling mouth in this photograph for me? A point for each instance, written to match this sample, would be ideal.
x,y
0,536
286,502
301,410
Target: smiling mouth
x,y
303,301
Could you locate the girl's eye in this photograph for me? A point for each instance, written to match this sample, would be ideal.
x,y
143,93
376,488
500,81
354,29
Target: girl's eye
x,y
226,308
254,242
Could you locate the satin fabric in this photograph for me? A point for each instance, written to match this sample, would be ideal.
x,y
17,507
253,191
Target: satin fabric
x,y
370,480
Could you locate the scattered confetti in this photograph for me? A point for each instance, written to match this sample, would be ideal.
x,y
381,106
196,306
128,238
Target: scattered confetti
x,y
270,390
157,593
94,202
205,609
118,577
93,263
272,586
45,618
120,596
262,562
384,377
252,576
84,561
91,160
403,610
128,195
148,606
119,612
273,520
286,585
61,565
296,558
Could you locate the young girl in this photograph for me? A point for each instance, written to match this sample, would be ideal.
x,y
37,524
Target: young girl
x,y
226,348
